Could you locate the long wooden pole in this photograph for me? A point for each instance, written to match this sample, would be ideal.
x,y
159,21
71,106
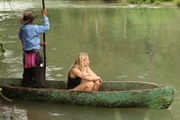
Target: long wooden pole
x,y
44,46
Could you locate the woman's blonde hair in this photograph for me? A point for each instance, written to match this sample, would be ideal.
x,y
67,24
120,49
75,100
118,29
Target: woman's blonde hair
x,y
79,60
81,56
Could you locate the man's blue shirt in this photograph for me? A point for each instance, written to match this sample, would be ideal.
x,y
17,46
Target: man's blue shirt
x,y
29,34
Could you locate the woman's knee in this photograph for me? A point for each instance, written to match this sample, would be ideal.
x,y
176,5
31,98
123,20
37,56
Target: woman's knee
x,y
97,83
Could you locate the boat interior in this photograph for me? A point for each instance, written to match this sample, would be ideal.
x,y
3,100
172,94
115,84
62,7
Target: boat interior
x,y
106,85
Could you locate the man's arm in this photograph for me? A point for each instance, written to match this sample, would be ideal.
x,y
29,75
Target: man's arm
x,y
40,29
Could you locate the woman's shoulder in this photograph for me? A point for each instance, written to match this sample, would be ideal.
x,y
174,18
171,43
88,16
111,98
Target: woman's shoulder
x,y
75,66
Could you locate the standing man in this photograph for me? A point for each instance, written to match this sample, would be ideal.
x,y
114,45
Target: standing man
x,y
32,60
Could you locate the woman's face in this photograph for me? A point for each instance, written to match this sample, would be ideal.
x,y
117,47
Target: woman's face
x,y
86,61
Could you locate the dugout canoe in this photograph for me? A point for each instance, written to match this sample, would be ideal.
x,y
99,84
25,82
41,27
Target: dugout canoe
x,y
126,94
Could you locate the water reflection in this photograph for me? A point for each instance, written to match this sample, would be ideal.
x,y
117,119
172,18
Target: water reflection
x,y
118,42
54,111
142,114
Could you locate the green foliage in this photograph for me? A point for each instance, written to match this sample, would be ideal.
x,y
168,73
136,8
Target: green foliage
x,y
135,1
140,1
157,2
149,1
178,3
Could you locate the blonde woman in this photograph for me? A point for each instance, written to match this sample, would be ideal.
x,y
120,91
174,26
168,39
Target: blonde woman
x,y
81,77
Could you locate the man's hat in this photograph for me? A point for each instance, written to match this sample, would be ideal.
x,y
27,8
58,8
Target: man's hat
x,y
27,18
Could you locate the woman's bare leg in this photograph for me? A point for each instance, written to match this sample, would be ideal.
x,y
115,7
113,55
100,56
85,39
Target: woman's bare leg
x,y
96,85
88,86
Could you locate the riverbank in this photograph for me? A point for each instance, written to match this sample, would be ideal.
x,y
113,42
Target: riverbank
x,y
165,4
155,4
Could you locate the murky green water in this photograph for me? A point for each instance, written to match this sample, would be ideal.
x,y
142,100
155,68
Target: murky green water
x,y
138,43
53,111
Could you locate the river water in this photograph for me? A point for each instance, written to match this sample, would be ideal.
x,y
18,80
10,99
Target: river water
x,y
138,43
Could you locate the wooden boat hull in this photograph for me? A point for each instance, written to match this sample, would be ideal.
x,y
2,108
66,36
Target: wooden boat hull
x,y
112,94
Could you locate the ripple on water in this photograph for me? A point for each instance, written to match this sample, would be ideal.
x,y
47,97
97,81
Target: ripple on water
x,y
16,5
4,16
93,5
10,59
53,68
56,114
24,5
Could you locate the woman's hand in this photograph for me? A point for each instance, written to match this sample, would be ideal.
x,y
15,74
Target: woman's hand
x,y
100,80
95,78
